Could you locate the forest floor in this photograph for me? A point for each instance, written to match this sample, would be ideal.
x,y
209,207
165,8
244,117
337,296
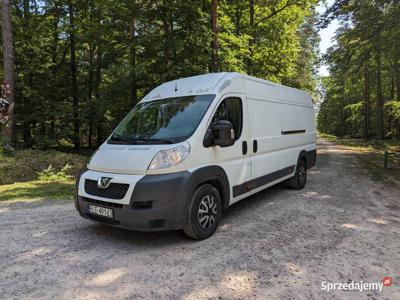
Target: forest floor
x,y
371,157
279,243
35,175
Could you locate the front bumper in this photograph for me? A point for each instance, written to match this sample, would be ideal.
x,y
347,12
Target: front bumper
x,y
152,203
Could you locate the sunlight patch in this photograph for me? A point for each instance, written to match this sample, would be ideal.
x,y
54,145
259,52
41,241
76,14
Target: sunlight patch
x,y
232,286
350,226
378,221
3,210
226,227
39,233
294,269
316,195
241,283
34,253
108,277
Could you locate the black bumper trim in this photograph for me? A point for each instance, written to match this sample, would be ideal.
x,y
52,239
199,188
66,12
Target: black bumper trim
x,y
159,202
134,219
167,194
260,181
311,157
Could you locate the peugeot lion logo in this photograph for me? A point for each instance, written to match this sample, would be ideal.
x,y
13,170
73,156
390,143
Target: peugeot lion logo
x,y
103,182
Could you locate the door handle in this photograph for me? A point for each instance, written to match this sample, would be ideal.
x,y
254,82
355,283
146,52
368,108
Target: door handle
x,y
244,147
255,146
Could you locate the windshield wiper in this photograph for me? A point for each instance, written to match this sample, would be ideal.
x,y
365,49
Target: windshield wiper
x,y
120,139
157,141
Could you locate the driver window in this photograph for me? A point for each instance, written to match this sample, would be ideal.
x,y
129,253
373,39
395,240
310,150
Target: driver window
x,y
230,110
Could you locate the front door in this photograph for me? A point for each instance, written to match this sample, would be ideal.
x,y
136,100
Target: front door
x,y
235,159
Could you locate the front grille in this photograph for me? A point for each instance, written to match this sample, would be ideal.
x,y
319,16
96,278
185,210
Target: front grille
x,y
113,191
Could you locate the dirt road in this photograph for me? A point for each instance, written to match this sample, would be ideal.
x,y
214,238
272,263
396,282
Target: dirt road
x,y
280,243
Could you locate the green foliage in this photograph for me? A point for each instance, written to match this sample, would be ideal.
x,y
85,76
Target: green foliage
x,y
28,165
355,118
392,113
393,108
125,48
365,71
51,174
331,118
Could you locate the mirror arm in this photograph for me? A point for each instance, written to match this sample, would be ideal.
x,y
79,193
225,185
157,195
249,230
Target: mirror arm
x,y
209,138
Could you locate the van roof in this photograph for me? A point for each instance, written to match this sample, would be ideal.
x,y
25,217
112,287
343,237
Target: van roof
x,y
212,83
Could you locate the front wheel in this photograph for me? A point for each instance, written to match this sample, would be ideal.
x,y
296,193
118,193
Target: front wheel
x,y
298,181
204,212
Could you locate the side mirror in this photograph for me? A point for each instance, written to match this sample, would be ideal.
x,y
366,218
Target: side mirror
x,y
221,134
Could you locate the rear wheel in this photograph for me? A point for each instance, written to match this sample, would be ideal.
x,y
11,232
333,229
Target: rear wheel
x,y
204,212
300,178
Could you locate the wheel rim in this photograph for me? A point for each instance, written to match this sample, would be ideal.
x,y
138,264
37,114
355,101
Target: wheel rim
x,y
207,211
302,174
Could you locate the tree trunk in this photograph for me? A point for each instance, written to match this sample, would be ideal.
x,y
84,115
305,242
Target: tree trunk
x,y
397,79
74,80
214,29
28,80
251,39
54,60
379,98
167,44
133,86
237,17
251,22
366,103
90,79
392,88
90,94
8,63
99,106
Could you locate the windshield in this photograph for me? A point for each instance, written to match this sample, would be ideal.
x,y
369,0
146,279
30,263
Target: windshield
x,y
165,121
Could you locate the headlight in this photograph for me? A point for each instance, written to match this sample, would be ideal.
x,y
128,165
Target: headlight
x,y
170,158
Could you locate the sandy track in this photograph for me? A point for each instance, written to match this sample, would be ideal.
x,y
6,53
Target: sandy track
x,y
279,243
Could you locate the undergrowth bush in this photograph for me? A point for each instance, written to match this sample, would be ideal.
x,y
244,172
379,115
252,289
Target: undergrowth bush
x,y
51,174
27,165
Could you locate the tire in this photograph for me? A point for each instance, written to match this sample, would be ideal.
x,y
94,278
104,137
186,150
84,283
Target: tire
x,y
203,213
299,180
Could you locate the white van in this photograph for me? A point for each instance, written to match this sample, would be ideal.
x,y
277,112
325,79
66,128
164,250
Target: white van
x,y
194,146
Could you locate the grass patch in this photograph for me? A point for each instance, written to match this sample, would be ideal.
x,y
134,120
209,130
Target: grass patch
x,y
365,145
35,175
37,190
29,165
371,153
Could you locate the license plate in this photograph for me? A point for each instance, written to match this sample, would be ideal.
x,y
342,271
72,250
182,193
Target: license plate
x,y
101,211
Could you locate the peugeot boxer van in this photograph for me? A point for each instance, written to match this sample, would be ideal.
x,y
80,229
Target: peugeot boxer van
x,y
194,146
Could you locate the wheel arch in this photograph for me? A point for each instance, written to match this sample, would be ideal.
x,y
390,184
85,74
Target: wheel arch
x,y
308,156
303,155
214,175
